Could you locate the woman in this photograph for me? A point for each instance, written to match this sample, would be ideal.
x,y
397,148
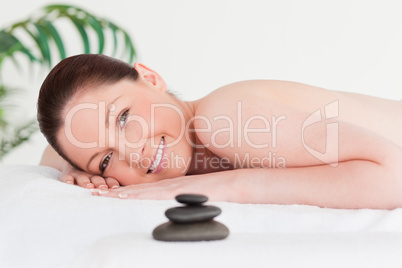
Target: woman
x,y
262,141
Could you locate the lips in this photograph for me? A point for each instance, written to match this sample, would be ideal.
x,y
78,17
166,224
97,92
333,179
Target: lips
x,y
159,157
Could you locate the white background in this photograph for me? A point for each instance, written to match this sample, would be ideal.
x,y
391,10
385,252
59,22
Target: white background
x,y
198,46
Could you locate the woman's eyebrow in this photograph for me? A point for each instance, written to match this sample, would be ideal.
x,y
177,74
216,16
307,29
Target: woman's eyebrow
x,y
108,110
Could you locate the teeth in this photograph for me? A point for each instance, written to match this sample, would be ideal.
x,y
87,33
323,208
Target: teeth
x,y
158,155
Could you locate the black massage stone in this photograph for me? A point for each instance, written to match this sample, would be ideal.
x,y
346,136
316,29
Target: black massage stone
x,y
193,222
192,213
197,231
191,199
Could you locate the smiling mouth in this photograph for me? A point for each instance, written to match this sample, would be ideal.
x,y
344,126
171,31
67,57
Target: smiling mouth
x,y
158,157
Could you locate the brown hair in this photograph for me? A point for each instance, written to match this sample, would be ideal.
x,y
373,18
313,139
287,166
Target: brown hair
x,y
65,80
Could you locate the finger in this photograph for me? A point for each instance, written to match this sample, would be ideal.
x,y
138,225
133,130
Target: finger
x,y
84,181
99,182
114,194
112,183
67,179
106,193
95,192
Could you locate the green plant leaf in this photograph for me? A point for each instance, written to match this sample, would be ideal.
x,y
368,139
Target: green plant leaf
x,y
16,63
8,41
36,39
130,47
52,31
43,41
94,23
4,93
9,44
21,134
114,32
79,25
58,8
41,29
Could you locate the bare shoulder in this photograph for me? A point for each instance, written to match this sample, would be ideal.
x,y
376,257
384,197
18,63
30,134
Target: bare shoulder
x,y
232,93
256,96
290,93
241,118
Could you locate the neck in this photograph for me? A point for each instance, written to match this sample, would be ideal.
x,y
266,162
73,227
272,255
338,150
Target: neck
x,y
189,110
201,156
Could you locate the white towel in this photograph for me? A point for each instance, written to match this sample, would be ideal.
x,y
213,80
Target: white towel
x,y
46,223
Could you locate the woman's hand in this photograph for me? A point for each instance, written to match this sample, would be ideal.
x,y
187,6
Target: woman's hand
x,y
72,175
217,186
351,185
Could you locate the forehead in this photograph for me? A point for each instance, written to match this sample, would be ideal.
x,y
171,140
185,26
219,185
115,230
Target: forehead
x,y
95,93
99,94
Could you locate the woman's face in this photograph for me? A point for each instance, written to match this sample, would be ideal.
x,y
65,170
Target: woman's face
x,y
133,131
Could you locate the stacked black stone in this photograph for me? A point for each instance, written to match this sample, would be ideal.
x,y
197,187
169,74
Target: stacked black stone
x,y
193,222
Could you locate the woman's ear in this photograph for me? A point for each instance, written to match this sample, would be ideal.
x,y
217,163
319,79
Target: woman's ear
x,y
150,76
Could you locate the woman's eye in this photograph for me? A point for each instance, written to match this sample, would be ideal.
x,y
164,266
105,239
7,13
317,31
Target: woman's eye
x,y
123,118
105,163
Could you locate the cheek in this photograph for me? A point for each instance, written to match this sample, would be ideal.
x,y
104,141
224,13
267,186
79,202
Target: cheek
x,y
153,120
169,120
136,130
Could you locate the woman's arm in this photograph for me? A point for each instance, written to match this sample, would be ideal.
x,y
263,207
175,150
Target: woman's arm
x,y
72,175
352,184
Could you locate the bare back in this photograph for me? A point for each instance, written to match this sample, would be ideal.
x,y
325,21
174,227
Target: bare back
x,y
381,116
254,120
